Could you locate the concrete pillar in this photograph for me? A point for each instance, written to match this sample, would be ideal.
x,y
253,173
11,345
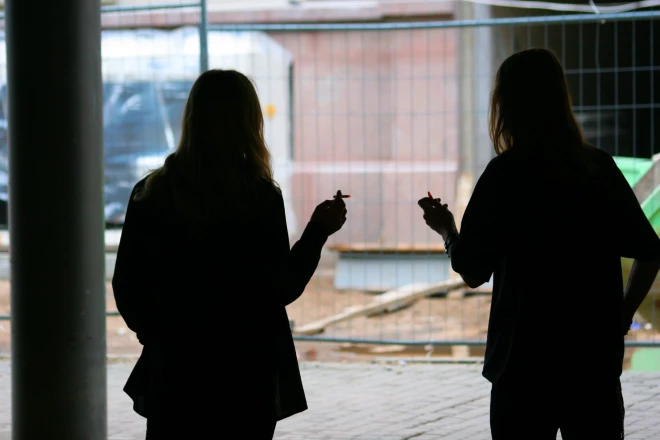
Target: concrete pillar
x,y
56,220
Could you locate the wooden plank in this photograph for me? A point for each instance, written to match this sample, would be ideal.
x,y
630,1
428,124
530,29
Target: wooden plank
x,y
377,248
460,351
391,300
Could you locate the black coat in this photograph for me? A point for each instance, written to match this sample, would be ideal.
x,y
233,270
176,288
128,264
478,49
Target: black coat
x,y
223,288
551,229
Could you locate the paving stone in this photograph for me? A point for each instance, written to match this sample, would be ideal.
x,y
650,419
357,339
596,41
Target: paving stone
x,y
367,402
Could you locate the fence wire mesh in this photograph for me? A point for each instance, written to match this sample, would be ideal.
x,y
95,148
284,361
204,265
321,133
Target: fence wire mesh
x,y
388,111
384,112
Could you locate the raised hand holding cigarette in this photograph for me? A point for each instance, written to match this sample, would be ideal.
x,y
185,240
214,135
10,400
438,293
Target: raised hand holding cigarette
x,y
331,214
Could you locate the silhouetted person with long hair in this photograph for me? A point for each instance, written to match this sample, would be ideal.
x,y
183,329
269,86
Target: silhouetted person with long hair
x,y
550,219
204,272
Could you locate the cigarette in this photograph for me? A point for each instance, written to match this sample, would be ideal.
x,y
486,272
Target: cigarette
x,y
429,192
343,196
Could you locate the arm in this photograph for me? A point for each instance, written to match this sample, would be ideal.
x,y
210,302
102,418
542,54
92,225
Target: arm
x,y
472,283
450,240
475,252
129,279
298,263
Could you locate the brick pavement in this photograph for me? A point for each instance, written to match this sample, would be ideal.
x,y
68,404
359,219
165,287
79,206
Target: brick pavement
x,y
386,402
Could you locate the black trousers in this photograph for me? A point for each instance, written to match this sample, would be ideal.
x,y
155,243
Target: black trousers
x,y
530,410
218,428
197,402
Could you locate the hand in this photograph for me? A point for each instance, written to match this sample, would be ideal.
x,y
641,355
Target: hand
x,y
330,214
437,216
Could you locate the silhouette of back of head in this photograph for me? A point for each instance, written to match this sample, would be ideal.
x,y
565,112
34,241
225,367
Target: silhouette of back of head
x,y
222,153
531,104
223,123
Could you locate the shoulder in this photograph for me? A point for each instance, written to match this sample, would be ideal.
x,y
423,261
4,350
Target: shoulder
x,y
501,163
138,188
270,190
142,191
149,193
605,167
595,154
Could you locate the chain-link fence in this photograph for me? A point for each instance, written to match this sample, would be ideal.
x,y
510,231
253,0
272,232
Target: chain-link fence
x,y
389,111
384,112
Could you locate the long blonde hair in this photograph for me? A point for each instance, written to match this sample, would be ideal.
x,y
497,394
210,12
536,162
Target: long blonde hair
x,y
531,105
222,155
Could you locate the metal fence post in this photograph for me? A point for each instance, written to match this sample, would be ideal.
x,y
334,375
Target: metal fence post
x,y
203,37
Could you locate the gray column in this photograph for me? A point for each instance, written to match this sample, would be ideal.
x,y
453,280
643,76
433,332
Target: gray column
x,y
56,220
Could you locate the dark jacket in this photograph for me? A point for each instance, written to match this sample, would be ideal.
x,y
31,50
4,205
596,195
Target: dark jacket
x,y
208,300
551,230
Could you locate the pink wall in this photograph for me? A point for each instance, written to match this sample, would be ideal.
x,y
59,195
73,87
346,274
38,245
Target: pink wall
x,y
376,114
